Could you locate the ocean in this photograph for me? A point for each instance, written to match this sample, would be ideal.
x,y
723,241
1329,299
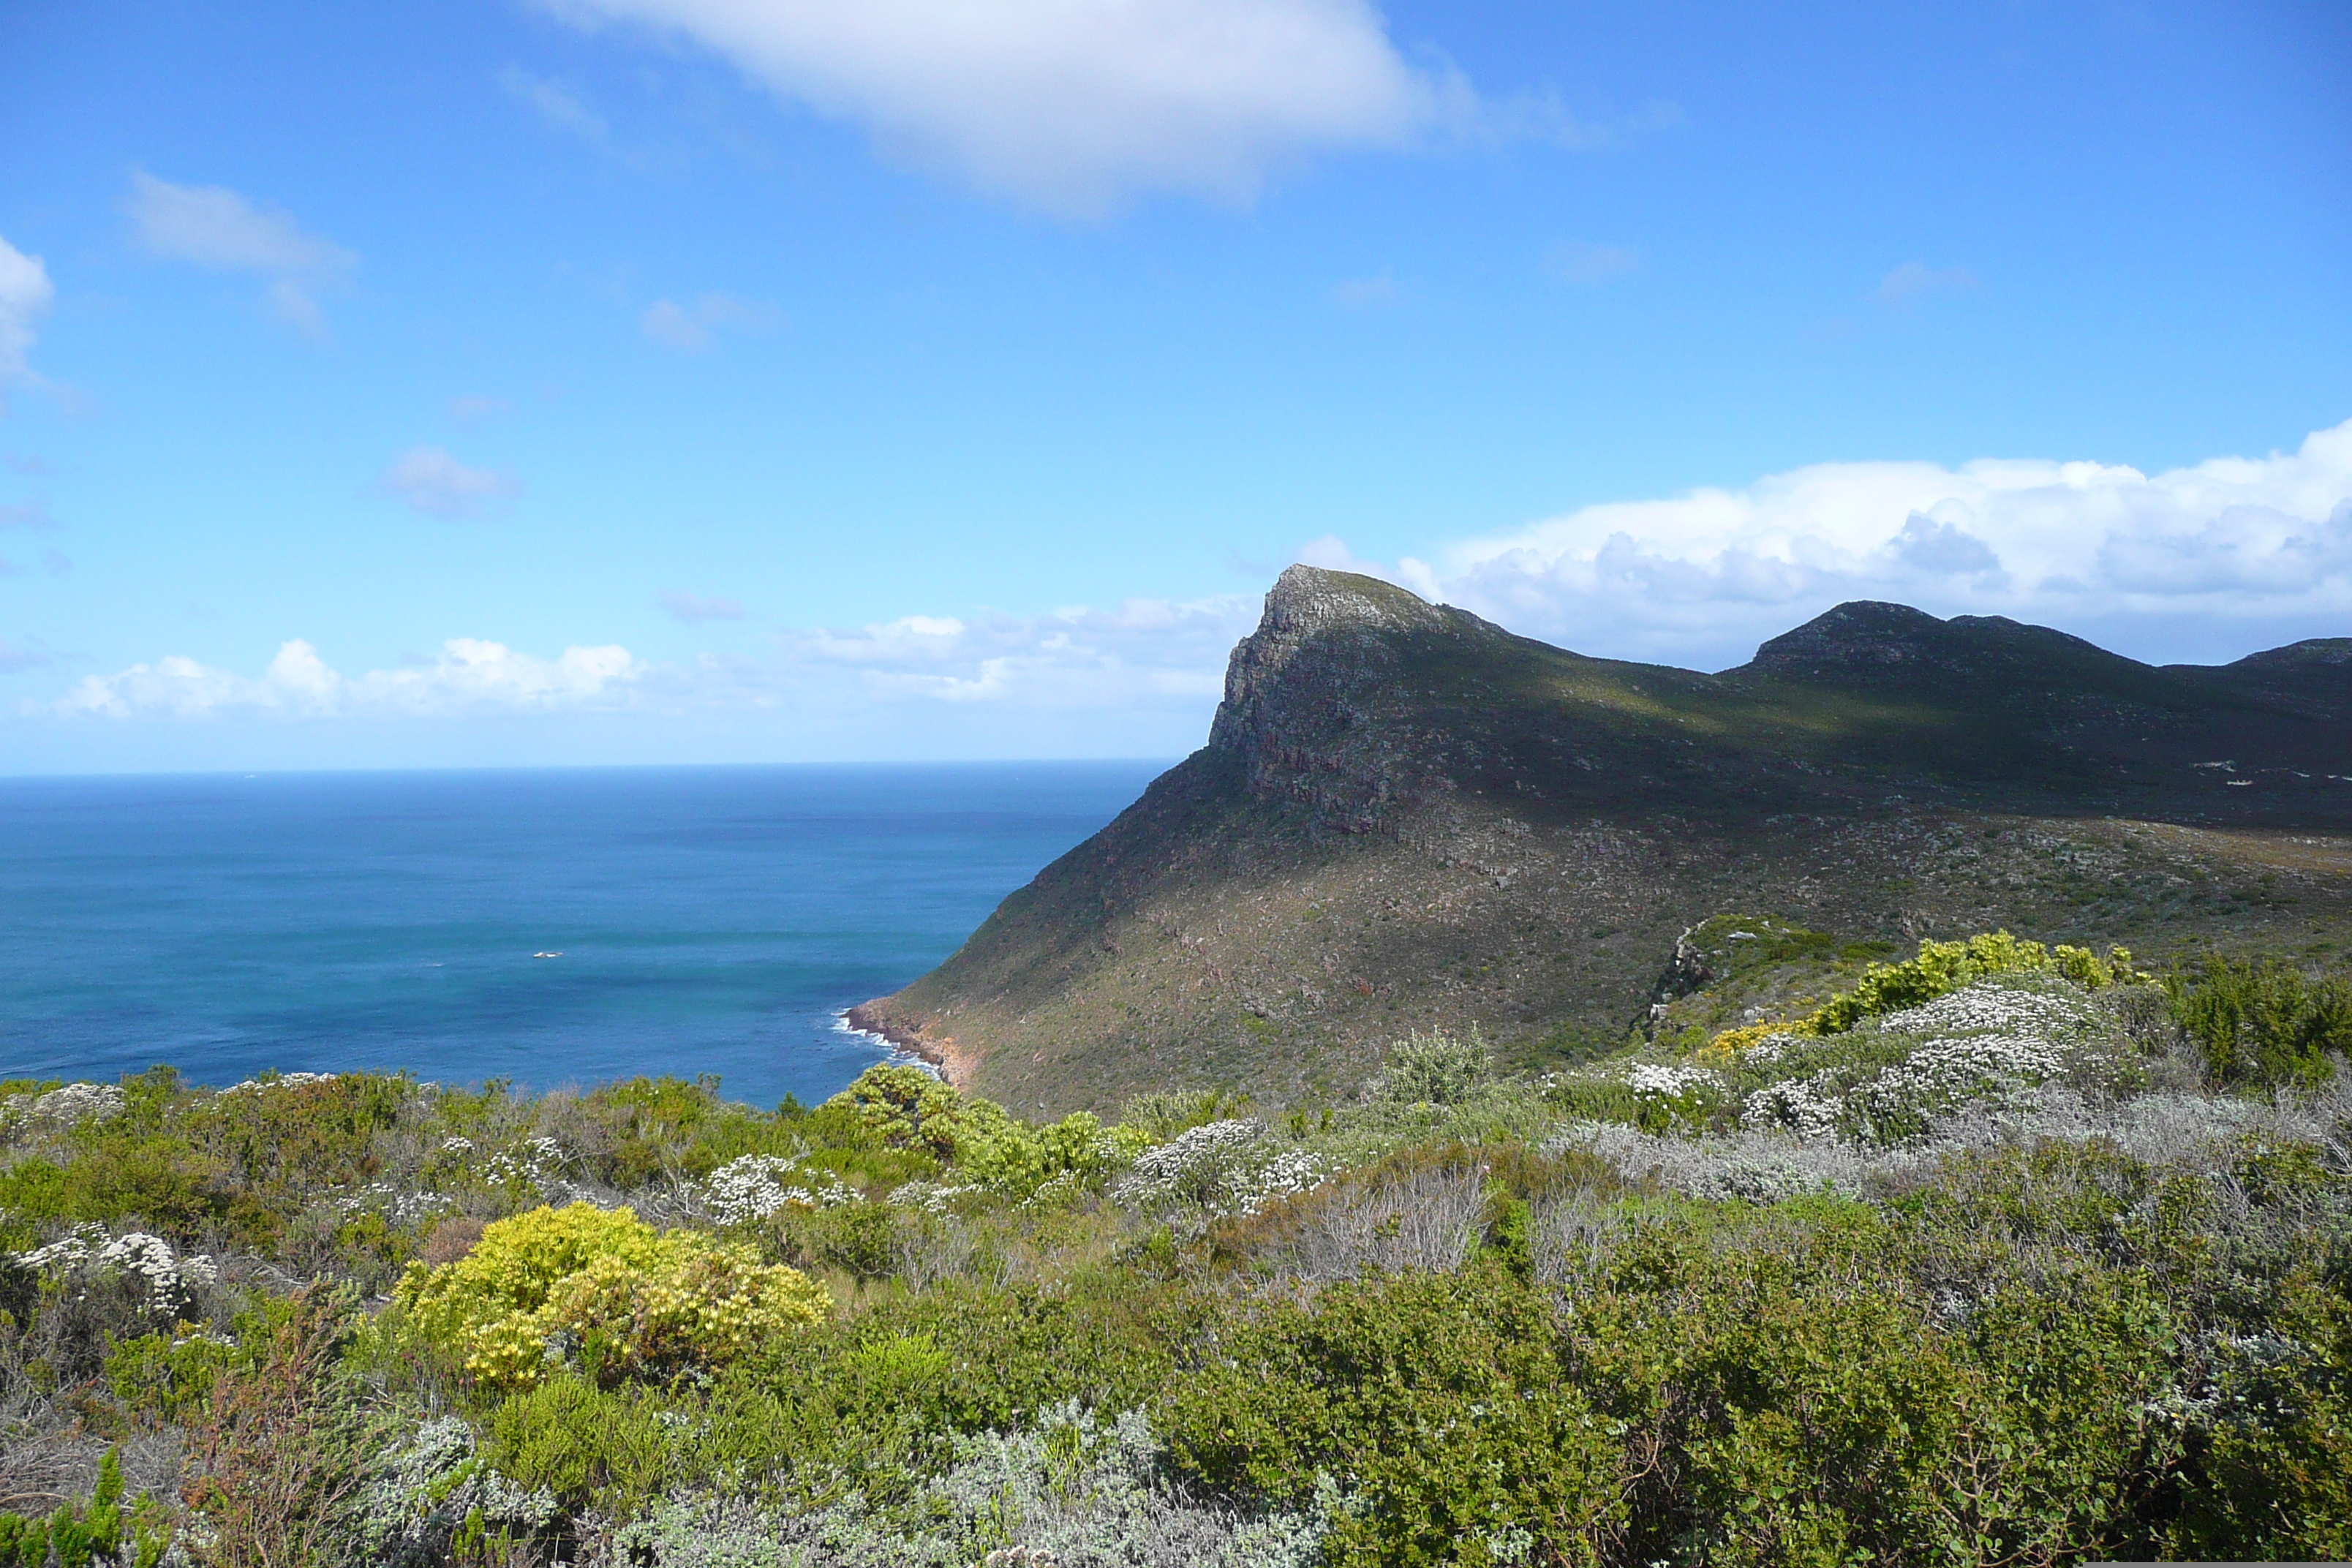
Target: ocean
x,y
548,927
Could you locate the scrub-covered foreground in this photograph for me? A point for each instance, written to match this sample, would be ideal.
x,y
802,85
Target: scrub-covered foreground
x,y
1998,1255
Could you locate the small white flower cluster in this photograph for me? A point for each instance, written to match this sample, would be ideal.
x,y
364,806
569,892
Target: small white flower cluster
x,y
89,1249
931,1197
537,1163
1808,1107
1994,1009
65,1106
399,1207
1231,1167
283,1080
1985,1045
757,1185
1667,1081
1944,1074
1768,1050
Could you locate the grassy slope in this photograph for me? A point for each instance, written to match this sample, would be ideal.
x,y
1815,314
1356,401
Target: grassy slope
x,y
1408,817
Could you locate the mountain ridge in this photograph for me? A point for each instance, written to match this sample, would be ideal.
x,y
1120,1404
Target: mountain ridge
x,y
1407,817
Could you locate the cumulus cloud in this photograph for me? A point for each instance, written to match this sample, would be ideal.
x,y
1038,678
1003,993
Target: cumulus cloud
x,y
468,677
1577,261
1074,106
428,480
1145,652
691,329
692,607
554,103
1146,656
25,294
1710,573
212,225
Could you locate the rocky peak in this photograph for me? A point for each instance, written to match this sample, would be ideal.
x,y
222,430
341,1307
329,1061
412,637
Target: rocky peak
x,y
1301,690
1341,616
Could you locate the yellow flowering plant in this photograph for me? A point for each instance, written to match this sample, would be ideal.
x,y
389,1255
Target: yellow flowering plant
x,y
602,1286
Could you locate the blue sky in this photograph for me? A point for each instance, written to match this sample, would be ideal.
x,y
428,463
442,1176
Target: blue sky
x,y
697,380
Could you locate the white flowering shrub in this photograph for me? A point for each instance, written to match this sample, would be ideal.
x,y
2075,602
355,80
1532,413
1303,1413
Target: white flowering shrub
x,y
1987,1043
434,1486
1435,1070
65,1105
1654,1080
755,1186
89,1251
1072,1491
279,1080
400,1206
1231,1167
931,1197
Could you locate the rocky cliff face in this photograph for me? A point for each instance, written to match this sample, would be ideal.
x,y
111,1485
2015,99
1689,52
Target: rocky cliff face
x,y
1306,696
1406,818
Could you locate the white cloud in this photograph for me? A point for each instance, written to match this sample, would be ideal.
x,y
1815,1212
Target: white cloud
x,y
1576,261
26,295
1915,280
1145,657
1708,574
212,225
690,329
1147,652
692,607
555,103
469,677
1074,106
432,481
1363,293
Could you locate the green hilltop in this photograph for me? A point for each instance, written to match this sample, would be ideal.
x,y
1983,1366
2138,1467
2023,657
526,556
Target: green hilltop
x,y
1407,818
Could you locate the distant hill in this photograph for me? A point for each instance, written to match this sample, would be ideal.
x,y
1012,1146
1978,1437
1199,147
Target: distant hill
x,y
1407,817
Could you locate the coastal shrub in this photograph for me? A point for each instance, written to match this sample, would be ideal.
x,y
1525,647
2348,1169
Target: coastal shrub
x,y
1162,1114
1436,1402
1436,1068
296,1131
1942,967
603,1288
281,1452
2261,1021
1218,1169
907,1108
1974,1282
581,1446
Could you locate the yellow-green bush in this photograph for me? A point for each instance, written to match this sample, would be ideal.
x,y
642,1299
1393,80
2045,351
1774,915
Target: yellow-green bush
x,y
632,1301
907,1108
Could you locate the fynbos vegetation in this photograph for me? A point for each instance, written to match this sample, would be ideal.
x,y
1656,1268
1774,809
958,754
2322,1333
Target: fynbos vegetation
x,y
2000,1253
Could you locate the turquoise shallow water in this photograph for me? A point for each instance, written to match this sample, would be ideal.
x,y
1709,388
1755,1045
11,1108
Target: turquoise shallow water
x,y
709,919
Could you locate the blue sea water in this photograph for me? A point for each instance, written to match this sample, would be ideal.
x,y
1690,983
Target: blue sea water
x,y
709,919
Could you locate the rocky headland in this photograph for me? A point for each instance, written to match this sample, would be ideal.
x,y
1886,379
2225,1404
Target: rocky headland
x,y
1407,817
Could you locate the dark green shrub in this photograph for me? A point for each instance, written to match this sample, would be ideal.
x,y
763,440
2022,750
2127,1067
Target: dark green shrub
x,y
24,1542
1439,1402
589,1447
2259,1021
